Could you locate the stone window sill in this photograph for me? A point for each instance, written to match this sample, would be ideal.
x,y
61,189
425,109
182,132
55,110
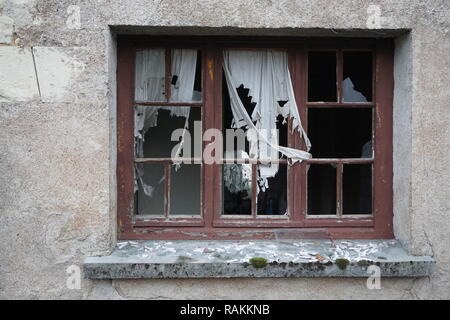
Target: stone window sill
x,y
274,259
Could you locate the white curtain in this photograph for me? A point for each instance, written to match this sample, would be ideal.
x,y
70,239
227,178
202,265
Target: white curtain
x,y
266,74
184,63
150,75
149,86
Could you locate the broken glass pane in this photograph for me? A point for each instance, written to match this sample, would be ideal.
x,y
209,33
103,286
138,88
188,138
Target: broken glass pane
x,y
237,188
150,75
150,189
235,144
186,76
322,189
340,132
357,77
273,199
357,189
322,76
185,186
154,127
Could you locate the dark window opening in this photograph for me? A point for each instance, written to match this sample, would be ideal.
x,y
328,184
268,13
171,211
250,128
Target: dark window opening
x,y
321,189
322,76
198,78
357,76
357,189
340,132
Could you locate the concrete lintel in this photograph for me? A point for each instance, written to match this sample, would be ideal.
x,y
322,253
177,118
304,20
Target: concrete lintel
x,y
233,259
277,32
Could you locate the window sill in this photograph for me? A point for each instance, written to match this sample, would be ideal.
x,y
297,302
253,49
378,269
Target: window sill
x,y
231,259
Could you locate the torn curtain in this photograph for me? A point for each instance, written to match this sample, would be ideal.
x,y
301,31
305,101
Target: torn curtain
x,y
266,74
149,86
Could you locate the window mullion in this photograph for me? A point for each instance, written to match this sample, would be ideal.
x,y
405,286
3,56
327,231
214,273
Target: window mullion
x,y
339,75
339,195
168,71
167,174
254,190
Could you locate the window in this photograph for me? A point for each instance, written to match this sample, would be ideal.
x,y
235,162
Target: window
x,y
178,97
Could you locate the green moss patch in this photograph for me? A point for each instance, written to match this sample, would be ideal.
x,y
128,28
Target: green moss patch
x,y
258,262
342,263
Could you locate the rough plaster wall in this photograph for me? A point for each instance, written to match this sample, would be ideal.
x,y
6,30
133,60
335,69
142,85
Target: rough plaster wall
x,y
402,137
57,194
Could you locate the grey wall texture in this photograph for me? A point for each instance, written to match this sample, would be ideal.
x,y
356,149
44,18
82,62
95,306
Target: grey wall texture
x,y
57,136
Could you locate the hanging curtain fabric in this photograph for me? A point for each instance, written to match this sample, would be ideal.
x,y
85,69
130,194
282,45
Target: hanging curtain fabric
x,y
150,75
266,74
150,86
184,63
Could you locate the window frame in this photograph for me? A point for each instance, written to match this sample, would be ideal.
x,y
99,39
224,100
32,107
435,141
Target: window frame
x,y
211,224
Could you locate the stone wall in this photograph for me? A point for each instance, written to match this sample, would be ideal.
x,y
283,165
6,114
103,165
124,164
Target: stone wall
x,y
57,135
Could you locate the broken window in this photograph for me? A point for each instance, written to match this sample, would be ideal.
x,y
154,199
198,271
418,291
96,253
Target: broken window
x,y
306,128
322,76
357,76
340,132
165,118
259,96
340,180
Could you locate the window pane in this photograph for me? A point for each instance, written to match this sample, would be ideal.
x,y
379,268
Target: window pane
x,y
273,200
185,186
186,81
150,75
357,85
357,189
340,132
150,191
154,127
321,189
237,188
322,76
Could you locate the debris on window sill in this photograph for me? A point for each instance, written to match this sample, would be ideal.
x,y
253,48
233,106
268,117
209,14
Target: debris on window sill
x,y
240,259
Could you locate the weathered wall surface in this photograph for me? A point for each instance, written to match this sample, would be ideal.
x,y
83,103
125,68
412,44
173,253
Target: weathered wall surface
x,y
57,116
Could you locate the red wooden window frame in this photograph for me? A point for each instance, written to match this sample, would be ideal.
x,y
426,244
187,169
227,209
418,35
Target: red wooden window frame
x,y
297,224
